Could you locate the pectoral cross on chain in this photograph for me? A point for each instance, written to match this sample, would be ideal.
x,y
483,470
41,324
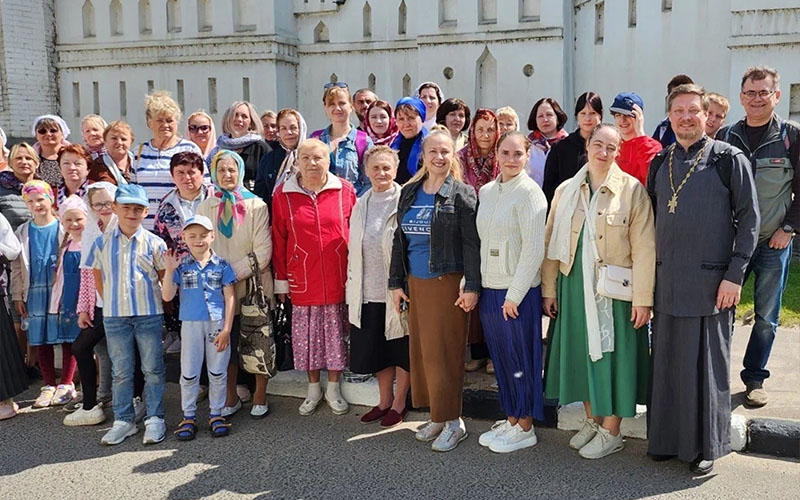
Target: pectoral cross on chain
x,y
673,204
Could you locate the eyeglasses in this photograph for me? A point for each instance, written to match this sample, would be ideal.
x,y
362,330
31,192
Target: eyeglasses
x,y
330,85
101,206
199,128
751,94
44,131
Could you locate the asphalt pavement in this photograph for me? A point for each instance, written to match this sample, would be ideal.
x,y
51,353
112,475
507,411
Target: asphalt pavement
x,y
323,456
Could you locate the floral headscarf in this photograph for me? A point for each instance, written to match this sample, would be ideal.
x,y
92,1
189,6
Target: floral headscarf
x,y
391,132
37,187
479,170
231,207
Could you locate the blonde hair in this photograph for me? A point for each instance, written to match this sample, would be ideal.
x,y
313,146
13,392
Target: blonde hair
x,y
379,150
268,113
329,93
312,144
15,150
212,135
509,112
119,126
255,120
718,99
93,118
455,166
161,102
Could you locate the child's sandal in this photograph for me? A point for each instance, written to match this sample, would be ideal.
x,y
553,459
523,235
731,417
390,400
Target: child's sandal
x,y
219,426
186,429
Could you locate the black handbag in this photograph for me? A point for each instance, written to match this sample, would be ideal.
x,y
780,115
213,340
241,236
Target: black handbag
x,y
282,332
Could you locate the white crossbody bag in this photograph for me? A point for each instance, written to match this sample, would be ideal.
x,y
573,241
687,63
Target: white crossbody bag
x,y
615,282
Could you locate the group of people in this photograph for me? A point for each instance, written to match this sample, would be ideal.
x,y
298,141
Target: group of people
x,y
397,243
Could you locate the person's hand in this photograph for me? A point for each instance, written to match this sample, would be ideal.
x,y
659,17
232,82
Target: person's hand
x,y
510,310
780,239
550,307
640,315
282,296
21,308
171,260
222,340
398,295
467,301
83,321
728,295
638,120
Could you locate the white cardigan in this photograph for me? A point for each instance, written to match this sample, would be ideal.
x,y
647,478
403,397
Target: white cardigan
x,y
511,221
396,324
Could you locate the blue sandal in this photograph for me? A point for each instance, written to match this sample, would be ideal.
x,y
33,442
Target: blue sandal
x,y
186,429
219,426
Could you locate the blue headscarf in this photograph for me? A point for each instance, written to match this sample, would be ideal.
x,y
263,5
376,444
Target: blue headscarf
x,y
416,149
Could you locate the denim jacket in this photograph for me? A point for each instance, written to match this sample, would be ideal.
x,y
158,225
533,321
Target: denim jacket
x,y
455,246
345,161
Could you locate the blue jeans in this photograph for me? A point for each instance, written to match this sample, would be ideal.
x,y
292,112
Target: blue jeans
x,y
121,333
771,269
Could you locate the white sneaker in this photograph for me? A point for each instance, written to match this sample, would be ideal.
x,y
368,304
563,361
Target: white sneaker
x,y
228,411
45,398
259,411
584,435
429,431
86,417
139,409
309,406
337,402
602,444
498,428
513,439
244,393
154,430
119,431
453,433
64,394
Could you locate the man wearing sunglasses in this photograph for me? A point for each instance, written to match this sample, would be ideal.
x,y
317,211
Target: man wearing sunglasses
x,y
773,146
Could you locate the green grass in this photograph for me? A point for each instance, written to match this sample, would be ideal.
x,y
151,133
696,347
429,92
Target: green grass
x,y
790,309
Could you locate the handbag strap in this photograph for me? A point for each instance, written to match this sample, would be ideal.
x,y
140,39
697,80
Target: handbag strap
x,y
590,226
254,285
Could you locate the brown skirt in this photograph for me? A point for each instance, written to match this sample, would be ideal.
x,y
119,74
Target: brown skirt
x,y
437,336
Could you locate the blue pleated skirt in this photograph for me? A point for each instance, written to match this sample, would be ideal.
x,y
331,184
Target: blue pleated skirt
x,y
516,350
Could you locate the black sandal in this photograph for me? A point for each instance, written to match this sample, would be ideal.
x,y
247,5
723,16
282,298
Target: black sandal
x,y
219,426
186,429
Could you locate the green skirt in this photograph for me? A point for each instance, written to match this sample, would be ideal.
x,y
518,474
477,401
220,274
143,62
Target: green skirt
x,y
615,383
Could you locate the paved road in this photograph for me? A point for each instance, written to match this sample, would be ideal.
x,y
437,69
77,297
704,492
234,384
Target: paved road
x,y
286,456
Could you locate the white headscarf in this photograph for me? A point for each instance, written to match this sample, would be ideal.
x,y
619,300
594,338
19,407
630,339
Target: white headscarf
x,y
3,140
61,123
288,165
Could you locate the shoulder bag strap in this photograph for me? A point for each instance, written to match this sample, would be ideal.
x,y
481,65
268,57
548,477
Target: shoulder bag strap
x,y
590,226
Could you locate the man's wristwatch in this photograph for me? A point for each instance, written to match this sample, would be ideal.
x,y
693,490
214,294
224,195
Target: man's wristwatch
x,y
788,229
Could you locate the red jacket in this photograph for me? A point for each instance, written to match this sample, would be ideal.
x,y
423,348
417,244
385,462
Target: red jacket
x,y
635,155
309,237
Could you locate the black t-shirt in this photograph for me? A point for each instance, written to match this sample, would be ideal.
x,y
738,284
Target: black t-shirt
x,y
755,135
403,175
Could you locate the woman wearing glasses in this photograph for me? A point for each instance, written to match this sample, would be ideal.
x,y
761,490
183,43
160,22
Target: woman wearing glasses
x,y
114,165
201,131
346,143
51,133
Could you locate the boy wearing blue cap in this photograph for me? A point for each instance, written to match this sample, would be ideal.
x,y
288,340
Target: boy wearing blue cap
x,y
208,302
637,149
128,264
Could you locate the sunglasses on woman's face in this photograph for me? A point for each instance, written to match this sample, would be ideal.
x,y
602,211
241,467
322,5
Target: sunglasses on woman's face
x,y
199,128
44,131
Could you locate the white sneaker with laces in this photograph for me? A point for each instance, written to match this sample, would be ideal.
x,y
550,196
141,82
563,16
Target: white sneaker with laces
x,y
498,428
584,435
602,445
515,438
139,409
453,433
45,398
429,431
154,430
86,417
119,431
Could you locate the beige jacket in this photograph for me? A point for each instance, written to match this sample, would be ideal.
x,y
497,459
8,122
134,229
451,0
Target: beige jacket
x,y
396,324
625,234
253,235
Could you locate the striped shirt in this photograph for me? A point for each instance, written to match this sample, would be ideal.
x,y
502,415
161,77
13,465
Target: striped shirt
x,y
151,166
130,272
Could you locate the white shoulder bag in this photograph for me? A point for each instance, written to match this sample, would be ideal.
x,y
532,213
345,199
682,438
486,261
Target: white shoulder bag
x,y
615,282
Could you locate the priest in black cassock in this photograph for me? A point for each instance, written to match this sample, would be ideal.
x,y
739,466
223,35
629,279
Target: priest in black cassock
x,y
707,221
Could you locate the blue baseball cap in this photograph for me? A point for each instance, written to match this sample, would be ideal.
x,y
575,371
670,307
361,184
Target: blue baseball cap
x,y
200,220
623,103
131,194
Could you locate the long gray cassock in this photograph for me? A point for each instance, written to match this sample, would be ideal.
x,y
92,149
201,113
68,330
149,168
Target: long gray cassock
x,y
710,237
